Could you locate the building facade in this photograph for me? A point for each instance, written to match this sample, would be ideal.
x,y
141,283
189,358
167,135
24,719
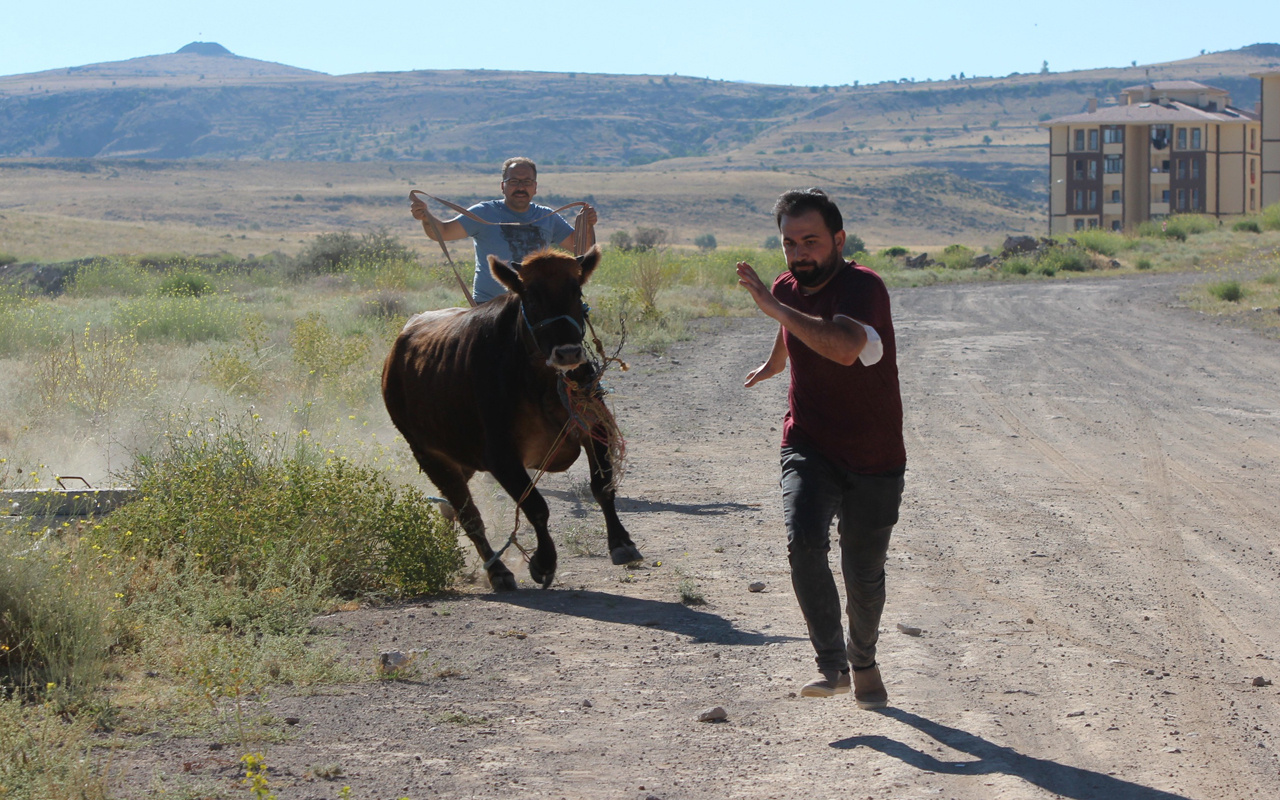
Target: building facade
x,y
1170,147
1270,136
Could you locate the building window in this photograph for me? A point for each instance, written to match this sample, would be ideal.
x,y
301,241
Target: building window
x,y
1093,199
1115,195
1079,224
1079,169
1195,200
1182,138
1195,168
1164,196
1079,200
1093,169
1195,138
1113,135
1253,138
1182,199
1253,172
1182,168
1079,139
1164,165
1093,223
1113,164
1115,225
1253,200
1159,136
1093,139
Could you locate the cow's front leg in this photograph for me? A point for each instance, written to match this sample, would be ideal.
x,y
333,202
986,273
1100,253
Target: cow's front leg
x,y
515,480
621,549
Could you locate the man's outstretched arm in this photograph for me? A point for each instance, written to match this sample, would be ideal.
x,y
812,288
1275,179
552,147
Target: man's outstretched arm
x,y
840,339
451,230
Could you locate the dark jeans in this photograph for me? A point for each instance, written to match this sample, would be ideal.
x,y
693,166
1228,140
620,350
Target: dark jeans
x,y
815,491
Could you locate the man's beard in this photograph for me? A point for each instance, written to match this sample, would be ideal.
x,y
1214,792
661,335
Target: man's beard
x,y
816,277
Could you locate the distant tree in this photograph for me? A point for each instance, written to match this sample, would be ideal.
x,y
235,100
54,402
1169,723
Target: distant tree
x,y
772,243
621,240
995,123
853,244
961,76
650,238
1044,68
1133,63
706,241
986,140
907,140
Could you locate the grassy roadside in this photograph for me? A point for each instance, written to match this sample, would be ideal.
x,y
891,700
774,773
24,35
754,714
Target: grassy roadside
x,y
240,396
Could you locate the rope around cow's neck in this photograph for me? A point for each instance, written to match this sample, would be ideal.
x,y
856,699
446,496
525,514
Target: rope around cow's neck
x,y
580,230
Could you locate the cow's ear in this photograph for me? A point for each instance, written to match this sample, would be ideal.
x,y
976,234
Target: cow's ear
x,y
506,274
588,262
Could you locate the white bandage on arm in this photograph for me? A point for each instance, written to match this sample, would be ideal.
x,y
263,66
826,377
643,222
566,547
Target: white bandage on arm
x,y
874,350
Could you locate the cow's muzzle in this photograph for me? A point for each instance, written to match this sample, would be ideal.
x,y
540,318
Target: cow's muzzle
x,y
567,356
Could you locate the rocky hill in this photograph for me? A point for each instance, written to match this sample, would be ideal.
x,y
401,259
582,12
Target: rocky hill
x,y
204,102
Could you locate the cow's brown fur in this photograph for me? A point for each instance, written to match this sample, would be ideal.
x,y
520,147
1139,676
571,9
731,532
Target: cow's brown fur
x,y
471,390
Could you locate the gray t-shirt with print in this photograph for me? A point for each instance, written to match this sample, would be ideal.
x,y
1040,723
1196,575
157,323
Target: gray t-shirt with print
x,y
535,229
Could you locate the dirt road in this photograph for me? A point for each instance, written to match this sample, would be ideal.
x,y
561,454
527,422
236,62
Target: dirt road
x,y
1088,543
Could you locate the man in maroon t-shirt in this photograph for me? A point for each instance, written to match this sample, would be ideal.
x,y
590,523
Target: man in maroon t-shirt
x,y
842,450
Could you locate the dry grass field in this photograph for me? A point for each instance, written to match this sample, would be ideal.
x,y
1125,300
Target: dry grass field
x,y
57,210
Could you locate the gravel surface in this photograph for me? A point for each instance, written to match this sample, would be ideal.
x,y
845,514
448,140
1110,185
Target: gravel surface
x,y
1082,588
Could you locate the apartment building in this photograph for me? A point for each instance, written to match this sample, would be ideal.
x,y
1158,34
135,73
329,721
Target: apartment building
x,y
1270,136
1167,147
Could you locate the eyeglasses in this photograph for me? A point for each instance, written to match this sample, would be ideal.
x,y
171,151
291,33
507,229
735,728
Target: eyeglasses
x,y
518,182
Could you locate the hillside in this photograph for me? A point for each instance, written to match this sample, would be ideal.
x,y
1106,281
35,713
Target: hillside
x,y
219,105
172,151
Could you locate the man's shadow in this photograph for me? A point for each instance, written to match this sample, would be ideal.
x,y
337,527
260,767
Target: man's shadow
x,y
1062,780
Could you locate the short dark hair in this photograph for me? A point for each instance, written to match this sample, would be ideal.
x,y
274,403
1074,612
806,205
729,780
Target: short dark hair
x,y
516,161
802,201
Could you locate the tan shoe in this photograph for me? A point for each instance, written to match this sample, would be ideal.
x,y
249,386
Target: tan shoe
x,y
868,688
828,683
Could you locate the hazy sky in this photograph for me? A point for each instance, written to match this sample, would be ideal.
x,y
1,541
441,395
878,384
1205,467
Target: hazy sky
x,y
804,42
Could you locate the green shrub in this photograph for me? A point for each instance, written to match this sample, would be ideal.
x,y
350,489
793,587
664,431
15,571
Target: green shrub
x,y
111,276
772,243
1106,243
1070,259
56,615
894,251
1017,265
342,252
705,241
1270,217
1143,263
957,256
226,500
185,284
7,258
1227,291
1178,226
621,240
160,318
1270,279
1247,226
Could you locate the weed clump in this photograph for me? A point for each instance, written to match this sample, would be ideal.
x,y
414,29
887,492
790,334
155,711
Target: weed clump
x,y
226,501
1227,291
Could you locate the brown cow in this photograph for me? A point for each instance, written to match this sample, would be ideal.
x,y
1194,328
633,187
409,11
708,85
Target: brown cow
x,y
478,390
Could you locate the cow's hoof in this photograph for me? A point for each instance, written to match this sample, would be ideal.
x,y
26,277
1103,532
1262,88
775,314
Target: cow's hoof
x,y
625,554
541,576
503,581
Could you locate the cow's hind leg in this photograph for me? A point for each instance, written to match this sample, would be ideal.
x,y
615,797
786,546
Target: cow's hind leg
x,y
621,549
452,483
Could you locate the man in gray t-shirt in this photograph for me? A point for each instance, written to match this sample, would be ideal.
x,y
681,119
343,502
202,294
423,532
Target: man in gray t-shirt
x,y
535,225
